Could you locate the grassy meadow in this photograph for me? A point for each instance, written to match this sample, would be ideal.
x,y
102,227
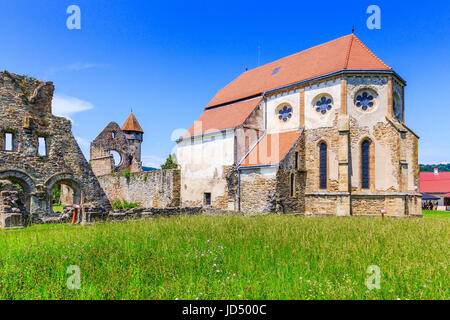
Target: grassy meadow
x,y
229,257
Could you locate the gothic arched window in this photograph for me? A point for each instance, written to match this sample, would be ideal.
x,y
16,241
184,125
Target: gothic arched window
x,y
323,165
292,185
365,164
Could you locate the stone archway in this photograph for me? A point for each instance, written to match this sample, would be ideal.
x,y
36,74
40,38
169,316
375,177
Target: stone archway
x,y
19,177
24,181
62,179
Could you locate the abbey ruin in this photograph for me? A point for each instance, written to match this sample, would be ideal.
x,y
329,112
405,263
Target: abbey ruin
x,y
320,132
38,152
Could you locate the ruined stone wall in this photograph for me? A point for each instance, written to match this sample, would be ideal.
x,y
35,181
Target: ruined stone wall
x,y
112,138
26,113
258,190
152,189
286,202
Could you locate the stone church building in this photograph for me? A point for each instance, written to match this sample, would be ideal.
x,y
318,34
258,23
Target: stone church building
x,y
319,132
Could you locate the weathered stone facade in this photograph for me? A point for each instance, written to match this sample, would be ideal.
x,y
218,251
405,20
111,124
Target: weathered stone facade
x,y
393,170
152,189
26,120
113,138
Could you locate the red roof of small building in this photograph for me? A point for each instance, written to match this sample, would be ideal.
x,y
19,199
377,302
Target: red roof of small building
x,y
271,149
347,52
431,183
131,124
227,117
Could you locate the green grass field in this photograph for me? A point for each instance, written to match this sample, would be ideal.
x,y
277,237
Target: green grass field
x,y
229,257
430,214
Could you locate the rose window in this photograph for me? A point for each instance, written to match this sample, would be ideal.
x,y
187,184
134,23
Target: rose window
x,y
285,113
364,101
323,105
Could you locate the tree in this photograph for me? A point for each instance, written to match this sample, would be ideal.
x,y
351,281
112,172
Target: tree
x,y
171,163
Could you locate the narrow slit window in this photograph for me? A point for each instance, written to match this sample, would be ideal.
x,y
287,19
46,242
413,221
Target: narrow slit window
x,y
42,149
207,198
9,141
296,160
292,185
323,165
365,164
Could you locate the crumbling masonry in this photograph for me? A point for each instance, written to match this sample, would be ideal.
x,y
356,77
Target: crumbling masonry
x,y
27,126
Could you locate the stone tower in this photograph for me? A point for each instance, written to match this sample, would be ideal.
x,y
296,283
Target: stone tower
x,y
125,141
135,136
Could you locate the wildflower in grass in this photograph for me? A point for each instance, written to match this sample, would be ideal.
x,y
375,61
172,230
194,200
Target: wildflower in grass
x,y
424,285
300,278
196,298
217,271
214,265
176,298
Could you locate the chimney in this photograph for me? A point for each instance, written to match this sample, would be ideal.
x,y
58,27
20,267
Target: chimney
x,y
436,171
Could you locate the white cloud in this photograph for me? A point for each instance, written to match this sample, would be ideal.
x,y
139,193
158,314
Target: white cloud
x,y
78,66
65,106
152,161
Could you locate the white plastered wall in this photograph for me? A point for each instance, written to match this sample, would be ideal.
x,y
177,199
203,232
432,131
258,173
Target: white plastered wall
x,y
314,119
273,123
384,171
201,162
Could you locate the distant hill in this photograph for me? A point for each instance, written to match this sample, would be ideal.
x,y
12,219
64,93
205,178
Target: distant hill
x,y
442,167
148,169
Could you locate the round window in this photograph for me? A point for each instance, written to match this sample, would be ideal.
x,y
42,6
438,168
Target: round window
x,y
284,112
323,104
397,107
365,100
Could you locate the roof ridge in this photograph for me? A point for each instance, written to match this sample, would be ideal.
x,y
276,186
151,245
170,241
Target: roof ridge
x,y
370,52
348,51
298,53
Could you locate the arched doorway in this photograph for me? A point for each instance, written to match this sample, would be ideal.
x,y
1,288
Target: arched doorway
x,y
23,182
61,189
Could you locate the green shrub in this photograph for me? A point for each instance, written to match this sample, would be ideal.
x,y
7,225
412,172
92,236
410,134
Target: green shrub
x,y
124,204
117,205
126,173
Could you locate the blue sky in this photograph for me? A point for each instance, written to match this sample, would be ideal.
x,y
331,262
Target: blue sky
x,y
166,60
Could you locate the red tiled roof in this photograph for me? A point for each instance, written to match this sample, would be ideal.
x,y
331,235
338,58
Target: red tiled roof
x,y
347,52
131,124
447,195
222,118
271,149
431,183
